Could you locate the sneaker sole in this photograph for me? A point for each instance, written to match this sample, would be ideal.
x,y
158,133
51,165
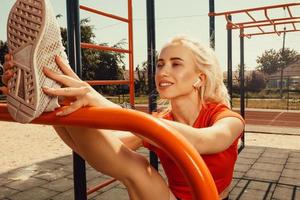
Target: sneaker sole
x,y
25,31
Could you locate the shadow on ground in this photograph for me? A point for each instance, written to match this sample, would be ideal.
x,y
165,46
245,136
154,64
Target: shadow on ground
x,y
260,173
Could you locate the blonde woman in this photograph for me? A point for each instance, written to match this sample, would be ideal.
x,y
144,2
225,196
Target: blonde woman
x,y
189,77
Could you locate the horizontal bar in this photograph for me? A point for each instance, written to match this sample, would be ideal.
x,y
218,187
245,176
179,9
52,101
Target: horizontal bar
x,y
263,21
271,32
266,24
104,48
108,82
101,185
253,9
103,13
153,130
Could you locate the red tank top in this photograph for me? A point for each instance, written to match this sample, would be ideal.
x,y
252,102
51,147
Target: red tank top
x,y
221,165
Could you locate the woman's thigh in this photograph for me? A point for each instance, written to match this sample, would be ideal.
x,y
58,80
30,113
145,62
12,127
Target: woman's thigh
x,y
110,156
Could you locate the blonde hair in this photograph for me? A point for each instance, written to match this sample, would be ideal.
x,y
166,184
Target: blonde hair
x,y
214,89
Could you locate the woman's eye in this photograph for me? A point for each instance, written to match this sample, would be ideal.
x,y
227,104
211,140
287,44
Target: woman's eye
x,y
159,65
176,64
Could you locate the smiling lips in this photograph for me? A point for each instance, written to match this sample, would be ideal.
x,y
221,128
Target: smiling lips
x,y
164,84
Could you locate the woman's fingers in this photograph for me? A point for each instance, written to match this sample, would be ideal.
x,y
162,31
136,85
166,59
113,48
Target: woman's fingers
x,y
66,92
8,65
72,108
6,76
4,90
63,79
66,69
8,57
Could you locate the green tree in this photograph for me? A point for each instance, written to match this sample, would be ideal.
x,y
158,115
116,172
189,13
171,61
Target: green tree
x,y
271,60
268,62
99,65
256,82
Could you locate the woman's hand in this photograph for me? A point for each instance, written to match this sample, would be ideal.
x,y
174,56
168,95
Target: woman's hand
x,y
81,92
8,71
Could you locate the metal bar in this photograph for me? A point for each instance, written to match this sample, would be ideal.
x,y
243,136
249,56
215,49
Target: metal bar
x,y
271,22
74,53
250,16
252,9
184,155
229,61
253,21
242,77
108,82
151,67
264,21
230,24
74,36
282,66
103,48
253,34
242,80
131,61
289,11
101,185
266,24
103,13
294,26
212,24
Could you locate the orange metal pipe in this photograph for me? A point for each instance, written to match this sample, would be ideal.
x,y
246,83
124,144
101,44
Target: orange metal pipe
x,y
151,129
131,62
253,9
267,24
264,21
271,32
103,13
101,185
108,82
104,48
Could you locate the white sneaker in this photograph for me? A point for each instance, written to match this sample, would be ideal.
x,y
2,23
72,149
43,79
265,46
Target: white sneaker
x,y
34,39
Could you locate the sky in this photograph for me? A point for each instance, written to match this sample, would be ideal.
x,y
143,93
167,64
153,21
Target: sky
x,y
188,17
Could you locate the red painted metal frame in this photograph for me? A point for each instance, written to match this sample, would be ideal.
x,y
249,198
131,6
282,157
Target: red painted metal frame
x,y
102,185
292,20
105,48
151,129
108,82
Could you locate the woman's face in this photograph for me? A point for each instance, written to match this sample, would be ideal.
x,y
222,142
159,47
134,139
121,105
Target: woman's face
x,y
175,72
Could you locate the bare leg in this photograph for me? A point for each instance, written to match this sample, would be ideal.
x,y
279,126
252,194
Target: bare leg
x,y
64,135
110,156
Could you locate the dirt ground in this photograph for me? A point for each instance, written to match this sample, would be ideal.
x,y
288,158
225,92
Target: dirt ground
x,y
22,145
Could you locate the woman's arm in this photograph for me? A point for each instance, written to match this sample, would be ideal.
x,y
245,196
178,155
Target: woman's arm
x,y
212,139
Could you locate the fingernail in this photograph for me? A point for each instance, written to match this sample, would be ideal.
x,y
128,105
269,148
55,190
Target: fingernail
x,y
46,88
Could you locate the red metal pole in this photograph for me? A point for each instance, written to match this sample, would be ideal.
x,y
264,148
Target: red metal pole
x,y
108,82
104,48
184,155
103,13
253,9
101,185
130,44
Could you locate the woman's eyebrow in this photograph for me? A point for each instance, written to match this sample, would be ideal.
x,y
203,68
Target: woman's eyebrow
x,y
176,58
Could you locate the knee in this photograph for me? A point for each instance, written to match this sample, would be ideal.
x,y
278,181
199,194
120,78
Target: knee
x,y
139,170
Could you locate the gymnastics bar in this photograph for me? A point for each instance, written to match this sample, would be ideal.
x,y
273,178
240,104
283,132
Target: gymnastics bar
x,y
185,156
